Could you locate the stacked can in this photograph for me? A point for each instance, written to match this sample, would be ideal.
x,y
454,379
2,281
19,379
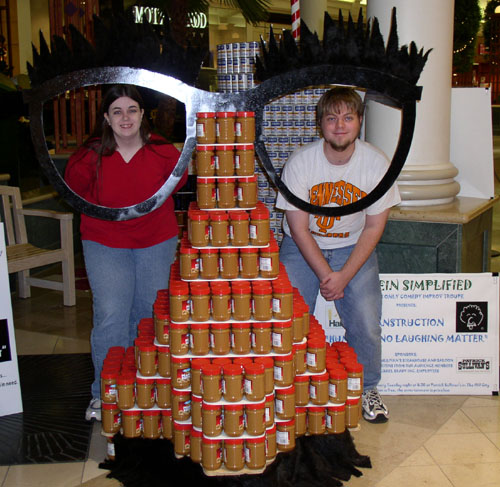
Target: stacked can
x,y
235,66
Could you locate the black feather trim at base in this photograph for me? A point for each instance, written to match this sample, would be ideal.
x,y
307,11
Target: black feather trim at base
x,y
322,461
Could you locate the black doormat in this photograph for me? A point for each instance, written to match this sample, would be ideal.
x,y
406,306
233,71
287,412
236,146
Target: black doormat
x,y
317,461
56,392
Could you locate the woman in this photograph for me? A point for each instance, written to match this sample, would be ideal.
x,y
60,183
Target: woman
x,y
120,165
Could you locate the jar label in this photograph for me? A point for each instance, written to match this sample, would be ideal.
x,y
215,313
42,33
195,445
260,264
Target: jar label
x,y
200,130
282,437
311,359
354,383
216,162
111,449
110,391
237,160
247,385
252,339
332,390
247,455
183,375
239,194
253,231
279,404
237,129
312,391
276,305
328,421
278,373
185,406
277,337
265,264
268,414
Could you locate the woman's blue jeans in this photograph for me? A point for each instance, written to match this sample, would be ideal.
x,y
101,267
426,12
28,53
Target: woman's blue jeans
x,y
359,310
124,283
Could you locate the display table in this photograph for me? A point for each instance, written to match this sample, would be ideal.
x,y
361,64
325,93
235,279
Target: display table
x,y
444,238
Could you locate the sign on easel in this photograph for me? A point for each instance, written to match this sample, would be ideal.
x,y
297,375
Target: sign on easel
x,y
439,333
10,387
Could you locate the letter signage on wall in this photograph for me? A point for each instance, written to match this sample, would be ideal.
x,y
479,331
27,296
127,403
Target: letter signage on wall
x,y
439,333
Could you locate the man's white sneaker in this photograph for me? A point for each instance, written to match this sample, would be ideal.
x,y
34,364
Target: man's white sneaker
x,y
374,410
93,410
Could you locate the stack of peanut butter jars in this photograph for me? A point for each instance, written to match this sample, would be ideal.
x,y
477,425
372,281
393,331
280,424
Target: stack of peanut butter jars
x,y
231,367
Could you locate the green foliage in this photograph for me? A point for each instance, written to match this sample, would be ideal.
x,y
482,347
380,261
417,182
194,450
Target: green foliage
x,y
488,12
467,19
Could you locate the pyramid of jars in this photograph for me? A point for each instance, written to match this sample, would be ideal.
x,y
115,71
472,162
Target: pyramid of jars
x,y
231,367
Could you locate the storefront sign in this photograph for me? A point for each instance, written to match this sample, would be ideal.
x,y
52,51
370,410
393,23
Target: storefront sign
x,y
156,16
10,388
439,333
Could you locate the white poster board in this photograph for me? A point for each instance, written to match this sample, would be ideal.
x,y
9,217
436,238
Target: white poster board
x,y
439,333
10,387
471,141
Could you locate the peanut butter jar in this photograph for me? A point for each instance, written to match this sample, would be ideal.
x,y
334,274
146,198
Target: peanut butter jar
x,y
167,424
284,371
234,454
196,405
259,228
318,388
316,424
285,435
244,160
181,404
196,365
300,421
226,193
205,128
239,228
282,337
234,424
297,324
179,302
211,380
262,300
206,193
285,403
224,127
254,382
219,222
131,424
352,412
200,307
145,390
271,449
205,160
199,225
282,300
244,127
209,263
255,453
148,359
125,392
268,363
354,378
240,338
182,438
162,327
224,160
151,424
221,300
220,338
111,418
195,451
247,192
316,355
299,358
108,385
241,300
261,337
249,263
337,390
269,261
200,341
301,384
255,418
164,393
228,263
335,419
211,454
211,417
189,263
179,338
181,372
164,361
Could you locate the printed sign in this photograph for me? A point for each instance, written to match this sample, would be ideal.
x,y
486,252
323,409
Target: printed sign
x,y
10,388
439,333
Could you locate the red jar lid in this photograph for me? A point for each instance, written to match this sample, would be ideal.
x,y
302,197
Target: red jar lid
x,y
234,441
204,148
209,251
225,114
285,390
179,326
323,376
261,324
260,439
163,380
163,348
196,433
109,374
271,430
220,326
195,398
222,287
315,409
179,360
221,361
233,407
198,363
188,250
249,250
240,326
245,114
211,369
254,368
162,315
291,422
353,367
245,147
299,346
131,412
205,180
284,358
232,369
219,216
199,288
210,441
229,250
266,361
238,215
337,374
259,405
259,214
338,407
182,426
143,347
316,342
272,247
205,114
179,288
125,380
224,147
282,324
198,215
144,380
109,406
200,326
282,287
117,350
151,412
243,361
212,407
166,412
300,410
240,287
262,287
181,392
248,179
301,378
351,401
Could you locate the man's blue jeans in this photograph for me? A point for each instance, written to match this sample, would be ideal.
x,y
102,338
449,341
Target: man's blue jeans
x,y
124,283
359,310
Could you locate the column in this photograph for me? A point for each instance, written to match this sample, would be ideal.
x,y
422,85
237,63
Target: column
x,y
312,12
428,175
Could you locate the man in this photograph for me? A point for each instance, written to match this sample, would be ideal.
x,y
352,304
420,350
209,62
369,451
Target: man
x,y
335,255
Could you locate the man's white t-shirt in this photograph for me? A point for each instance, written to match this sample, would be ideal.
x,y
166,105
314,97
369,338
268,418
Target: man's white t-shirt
x,y
309,176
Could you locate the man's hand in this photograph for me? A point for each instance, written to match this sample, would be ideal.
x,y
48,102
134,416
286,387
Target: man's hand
x,y
333,285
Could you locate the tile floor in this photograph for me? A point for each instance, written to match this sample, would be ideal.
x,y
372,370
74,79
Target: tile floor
x,y
436,441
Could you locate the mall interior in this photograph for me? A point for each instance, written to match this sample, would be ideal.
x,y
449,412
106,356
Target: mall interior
x,y
431,440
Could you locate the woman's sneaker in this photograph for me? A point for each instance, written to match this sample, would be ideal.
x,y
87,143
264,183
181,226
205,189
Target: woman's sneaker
x,y
374,410
93,410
